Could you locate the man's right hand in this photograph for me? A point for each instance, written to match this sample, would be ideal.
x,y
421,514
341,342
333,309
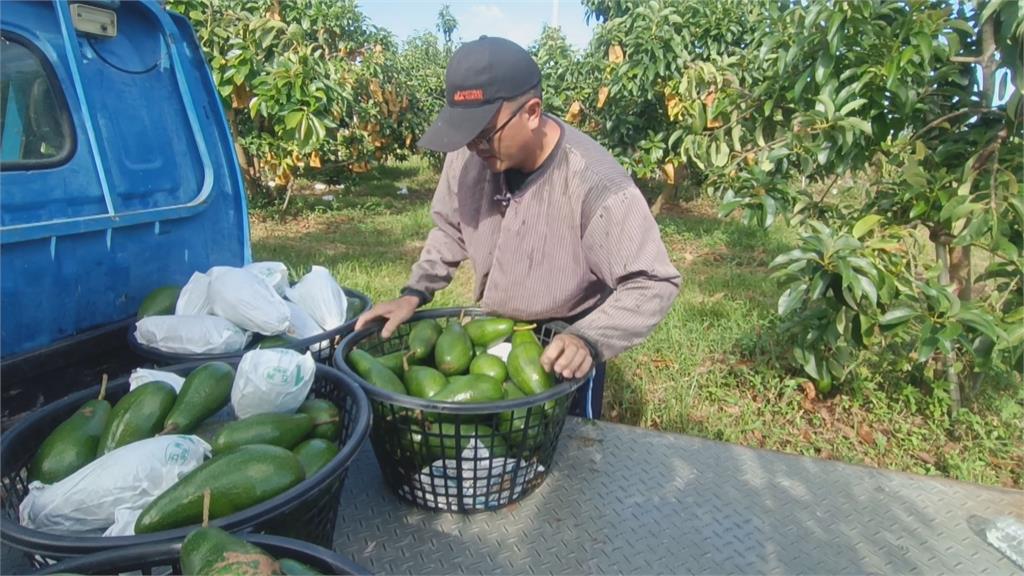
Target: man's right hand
x,y
396,311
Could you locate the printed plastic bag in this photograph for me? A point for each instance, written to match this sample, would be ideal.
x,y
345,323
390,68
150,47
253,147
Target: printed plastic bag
x,y
246,300
321,296
127,478
191,334
302,324
275,274
271,380
193,300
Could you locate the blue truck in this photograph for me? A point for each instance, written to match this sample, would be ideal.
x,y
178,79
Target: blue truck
x,y
118,174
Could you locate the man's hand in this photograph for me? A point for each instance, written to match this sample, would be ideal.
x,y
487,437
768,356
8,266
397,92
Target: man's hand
x,y
567,355
396,311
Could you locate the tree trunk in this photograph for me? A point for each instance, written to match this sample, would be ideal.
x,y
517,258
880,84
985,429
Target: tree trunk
x,y
248,174
669,190
961,273
948,361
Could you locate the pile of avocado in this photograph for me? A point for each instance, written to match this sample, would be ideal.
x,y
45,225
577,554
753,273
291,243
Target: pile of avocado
x,y
452,364
254,459
214,551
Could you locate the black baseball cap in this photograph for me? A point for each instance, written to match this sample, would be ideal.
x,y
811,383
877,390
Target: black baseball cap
x,y
481,75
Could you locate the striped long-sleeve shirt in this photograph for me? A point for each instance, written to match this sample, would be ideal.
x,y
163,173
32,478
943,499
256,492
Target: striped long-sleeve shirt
x,y
577,241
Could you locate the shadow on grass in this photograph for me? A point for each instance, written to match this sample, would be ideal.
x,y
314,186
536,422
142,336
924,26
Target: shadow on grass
x,y
720,327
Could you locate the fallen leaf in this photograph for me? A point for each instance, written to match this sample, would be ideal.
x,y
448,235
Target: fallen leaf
x,y
1002,463
805,435
925,457
866,435
809,392
663,363
809,395
845,430
825,454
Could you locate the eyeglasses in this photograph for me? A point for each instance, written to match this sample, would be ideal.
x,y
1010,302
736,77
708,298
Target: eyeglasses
x,y
488,140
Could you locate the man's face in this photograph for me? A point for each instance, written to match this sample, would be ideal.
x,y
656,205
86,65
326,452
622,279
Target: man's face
x,y
500,145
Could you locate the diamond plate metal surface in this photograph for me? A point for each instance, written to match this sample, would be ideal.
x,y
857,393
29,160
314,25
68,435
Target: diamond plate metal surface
x,y
624,500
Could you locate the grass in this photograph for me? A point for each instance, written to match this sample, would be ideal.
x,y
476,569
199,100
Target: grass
x,y
712,368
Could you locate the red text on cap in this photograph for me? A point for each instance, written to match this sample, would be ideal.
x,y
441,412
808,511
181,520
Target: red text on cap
x,y
469,95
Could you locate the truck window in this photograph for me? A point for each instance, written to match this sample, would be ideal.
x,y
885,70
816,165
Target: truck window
x,y
35,131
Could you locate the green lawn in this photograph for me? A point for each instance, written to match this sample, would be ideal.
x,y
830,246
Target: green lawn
x,y
713,368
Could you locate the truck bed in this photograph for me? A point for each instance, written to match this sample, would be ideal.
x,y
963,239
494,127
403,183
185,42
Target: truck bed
x,y
625,500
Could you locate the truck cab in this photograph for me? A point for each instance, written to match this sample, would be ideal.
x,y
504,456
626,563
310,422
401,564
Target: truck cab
x,y
118,175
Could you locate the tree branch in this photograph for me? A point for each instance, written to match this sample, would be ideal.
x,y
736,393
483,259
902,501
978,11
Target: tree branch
x,y
950,116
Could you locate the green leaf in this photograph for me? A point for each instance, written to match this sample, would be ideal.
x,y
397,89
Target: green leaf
x,y
792,256
925,348
778,153
857,123
924,42
791,299
865,225
293,118
851,106
828,107
980,322
958,208
809,363
867,287
992,7
897,316
770,210
823,66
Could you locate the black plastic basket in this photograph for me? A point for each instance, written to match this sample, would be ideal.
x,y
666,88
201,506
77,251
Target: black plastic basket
x,y
321,345
425,448
162,558
307,511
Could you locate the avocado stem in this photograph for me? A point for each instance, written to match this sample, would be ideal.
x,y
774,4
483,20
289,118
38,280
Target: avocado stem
x,y
206,507
103,386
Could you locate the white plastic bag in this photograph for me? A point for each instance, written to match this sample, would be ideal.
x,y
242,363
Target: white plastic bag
x,y
321,296
191,334
502,479
271,380
302,324
194,297
140,376
129,477
246,300
501,350
275,274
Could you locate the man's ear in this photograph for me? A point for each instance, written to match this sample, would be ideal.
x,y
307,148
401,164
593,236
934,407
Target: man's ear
x,y
534,109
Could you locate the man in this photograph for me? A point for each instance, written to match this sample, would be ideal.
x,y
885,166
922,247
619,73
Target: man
x,y
554,226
